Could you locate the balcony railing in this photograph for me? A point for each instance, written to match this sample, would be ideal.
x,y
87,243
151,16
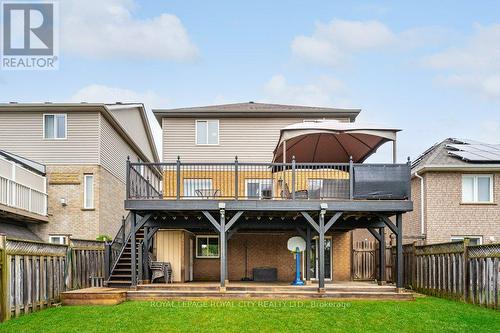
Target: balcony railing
x,y
19,196
269,181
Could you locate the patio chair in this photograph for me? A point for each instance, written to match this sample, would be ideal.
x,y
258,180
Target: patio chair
x,y
286,194
207,193
160,269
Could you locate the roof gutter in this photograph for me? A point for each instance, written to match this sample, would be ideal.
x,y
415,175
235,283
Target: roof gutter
x,y
455,168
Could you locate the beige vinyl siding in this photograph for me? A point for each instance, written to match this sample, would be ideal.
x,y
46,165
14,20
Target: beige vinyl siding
x,y
114,151
130,119
252,139
169,248
22,133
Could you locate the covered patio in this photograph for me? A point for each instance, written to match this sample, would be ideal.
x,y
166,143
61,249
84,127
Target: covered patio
x,y
315,195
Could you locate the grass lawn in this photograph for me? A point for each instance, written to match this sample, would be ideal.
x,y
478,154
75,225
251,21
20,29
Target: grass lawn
x,y
423,315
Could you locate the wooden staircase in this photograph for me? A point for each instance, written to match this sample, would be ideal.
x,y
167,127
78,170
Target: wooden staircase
x,y
121,276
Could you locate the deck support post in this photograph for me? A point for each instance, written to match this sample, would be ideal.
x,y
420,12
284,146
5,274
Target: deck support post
x,y
321,248
307,257
399,252
133,249
223,247
381,266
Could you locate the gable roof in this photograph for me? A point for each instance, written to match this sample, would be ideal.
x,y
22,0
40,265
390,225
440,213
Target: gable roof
x,y
105,110
255,110
453,153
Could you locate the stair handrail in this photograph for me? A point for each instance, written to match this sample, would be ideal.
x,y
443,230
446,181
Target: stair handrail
x,y
119,242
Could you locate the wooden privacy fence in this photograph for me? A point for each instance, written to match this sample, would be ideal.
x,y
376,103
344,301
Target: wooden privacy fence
x,y
454,270
364,260
33,274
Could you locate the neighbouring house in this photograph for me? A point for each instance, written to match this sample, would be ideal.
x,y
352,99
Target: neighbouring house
x,y
455,187
84,148
23,196
240,180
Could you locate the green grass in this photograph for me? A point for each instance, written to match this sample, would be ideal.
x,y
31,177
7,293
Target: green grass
x,y
427,314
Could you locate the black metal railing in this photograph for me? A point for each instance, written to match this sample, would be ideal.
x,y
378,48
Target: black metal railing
x,y
114,249
270,181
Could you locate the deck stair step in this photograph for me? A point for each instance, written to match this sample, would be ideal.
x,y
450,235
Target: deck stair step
x,y
121,276
175,294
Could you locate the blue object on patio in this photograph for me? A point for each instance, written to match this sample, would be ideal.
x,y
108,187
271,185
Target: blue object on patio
x,y
298,281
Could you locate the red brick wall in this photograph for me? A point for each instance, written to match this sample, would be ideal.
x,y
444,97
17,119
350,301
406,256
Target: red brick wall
x,y
270,249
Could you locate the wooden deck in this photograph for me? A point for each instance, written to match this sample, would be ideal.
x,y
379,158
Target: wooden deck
x,y
234,290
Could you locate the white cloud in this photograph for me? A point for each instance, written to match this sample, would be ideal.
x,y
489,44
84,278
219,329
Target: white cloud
x,y
475,65
108,29
331,42
326,91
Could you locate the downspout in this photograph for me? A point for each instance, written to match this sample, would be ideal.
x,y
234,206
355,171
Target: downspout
x,y
421,203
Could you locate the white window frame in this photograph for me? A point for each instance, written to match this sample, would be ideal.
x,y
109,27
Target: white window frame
x,y
85,194
63,237
462,238
55,126
195,181
475,199
196,132
207,237
260,181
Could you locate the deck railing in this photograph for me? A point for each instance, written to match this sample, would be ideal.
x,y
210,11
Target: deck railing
x,y
16,195
270,181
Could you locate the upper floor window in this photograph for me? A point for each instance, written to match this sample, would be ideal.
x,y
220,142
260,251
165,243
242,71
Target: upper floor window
x,y
207,132
54,126
88,191
259,188
199,188
477,188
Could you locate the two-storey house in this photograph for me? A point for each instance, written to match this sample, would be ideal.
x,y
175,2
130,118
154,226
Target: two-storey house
x,y
84,148
240,180
455,189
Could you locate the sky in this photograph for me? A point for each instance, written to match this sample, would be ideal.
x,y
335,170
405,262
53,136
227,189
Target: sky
x,y
430,68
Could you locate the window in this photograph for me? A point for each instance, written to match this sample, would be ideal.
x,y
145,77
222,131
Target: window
x,y
54,126
199,188
314,188
259,188
207,246
207,132
473,240
328,188
477,188
88,191
58,239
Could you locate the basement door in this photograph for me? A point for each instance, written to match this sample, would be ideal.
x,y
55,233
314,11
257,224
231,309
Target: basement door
x,y
315,258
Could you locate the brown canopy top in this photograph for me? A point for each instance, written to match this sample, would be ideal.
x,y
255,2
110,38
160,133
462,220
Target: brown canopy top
x,y
331,141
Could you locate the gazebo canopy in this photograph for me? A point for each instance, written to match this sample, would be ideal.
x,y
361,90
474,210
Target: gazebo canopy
x,y
330,141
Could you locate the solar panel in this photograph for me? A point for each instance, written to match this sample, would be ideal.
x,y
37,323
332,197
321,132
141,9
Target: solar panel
x,y
474,151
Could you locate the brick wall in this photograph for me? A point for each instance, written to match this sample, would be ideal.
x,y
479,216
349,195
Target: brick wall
x,y
111,203
66,181
411,220
446,216
270,249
